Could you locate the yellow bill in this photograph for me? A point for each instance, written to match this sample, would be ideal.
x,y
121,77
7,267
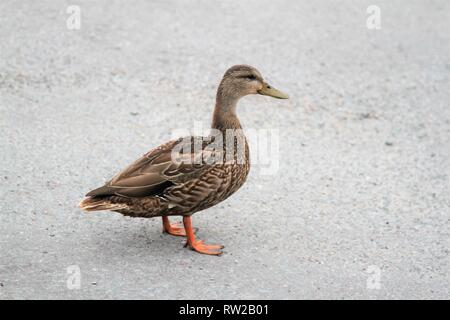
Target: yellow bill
x,y
268,90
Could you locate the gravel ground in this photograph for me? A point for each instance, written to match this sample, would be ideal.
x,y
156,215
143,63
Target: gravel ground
x,y
358,208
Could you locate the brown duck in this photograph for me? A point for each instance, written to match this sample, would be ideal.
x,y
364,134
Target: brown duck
x,y
190,174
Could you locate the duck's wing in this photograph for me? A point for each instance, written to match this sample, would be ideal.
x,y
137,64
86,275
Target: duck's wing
x,y
157,170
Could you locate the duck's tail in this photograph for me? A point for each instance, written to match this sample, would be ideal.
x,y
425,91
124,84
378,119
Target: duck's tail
x,y
99,204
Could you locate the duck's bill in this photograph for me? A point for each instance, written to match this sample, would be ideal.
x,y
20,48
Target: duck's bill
x,y
268,90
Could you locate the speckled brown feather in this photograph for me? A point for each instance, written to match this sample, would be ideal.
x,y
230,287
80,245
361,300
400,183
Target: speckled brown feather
x,y
174,189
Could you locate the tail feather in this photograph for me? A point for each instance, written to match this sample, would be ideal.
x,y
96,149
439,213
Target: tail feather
x,y
99,204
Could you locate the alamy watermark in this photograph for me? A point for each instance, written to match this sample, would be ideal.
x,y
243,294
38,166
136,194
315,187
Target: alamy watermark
x,y
216,147
74,277
373,21
73,22
373,282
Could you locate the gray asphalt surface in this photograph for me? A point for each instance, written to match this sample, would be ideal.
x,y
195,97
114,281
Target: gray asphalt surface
x,y
364,148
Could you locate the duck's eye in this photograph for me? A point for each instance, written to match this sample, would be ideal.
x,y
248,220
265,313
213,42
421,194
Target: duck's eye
x,y
251,77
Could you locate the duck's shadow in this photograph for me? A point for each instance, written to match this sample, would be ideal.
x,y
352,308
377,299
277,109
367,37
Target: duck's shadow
x,y
146,239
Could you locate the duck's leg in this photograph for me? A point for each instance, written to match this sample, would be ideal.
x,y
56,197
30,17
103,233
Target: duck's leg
x,y
199,245
173,229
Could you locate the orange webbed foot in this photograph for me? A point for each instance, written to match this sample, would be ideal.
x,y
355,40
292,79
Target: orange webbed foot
x,y
175,229
199,245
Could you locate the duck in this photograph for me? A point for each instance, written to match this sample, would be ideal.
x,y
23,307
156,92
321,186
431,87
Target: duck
x,y
189,174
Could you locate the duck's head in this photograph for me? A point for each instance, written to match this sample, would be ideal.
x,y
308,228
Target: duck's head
x,y
242,80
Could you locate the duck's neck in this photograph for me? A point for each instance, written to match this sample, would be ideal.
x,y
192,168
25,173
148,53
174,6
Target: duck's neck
x,y
224,116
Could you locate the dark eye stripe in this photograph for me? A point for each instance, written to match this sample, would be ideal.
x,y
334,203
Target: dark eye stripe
x,y
248,76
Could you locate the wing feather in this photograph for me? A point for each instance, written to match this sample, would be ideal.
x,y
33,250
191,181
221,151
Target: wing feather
x,y
154,172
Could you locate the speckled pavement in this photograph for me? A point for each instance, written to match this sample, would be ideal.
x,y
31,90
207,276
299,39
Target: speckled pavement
x,y
359,206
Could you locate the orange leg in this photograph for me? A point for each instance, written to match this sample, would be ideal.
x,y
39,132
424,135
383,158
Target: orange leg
x,y
199,245
173,229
